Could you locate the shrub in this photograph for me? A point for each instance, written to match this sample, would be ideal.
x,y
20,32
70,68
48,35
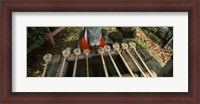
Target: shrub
x,y
36,36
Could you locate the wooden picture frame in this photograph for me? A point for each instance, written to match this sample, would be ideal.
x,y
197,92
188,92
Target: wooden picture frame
x,y
190,6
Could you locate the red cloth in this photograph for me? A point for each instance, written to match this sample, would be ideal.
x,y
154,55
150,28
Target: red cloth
x,y
85,45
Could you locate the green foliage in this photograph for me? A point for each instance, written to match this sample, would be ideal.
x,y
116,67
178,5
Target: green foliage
x,y
36,36
139,44
143,39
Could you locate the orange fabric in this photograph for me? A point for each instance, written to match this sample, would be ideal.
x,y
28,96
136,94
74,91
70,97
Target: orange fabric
x,y
85,45
102,42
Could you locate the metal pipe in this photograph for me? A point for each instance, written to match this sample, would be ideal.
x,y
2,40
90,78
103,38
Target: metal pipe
x,y
86,52
116,68
107,49
101,51
62,67
168,42
75,65
116,48
87,66
125,47
133,45
47,58
44,71
77,52
104,66
65,54
129,69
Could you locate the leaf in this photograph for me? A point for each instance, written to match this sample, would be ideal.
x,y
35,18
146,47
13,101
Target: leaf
x,y
40,37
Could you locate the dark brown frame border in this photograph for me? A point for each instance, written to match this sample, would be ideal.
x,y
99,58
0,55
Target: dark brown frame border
x,y
190,6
